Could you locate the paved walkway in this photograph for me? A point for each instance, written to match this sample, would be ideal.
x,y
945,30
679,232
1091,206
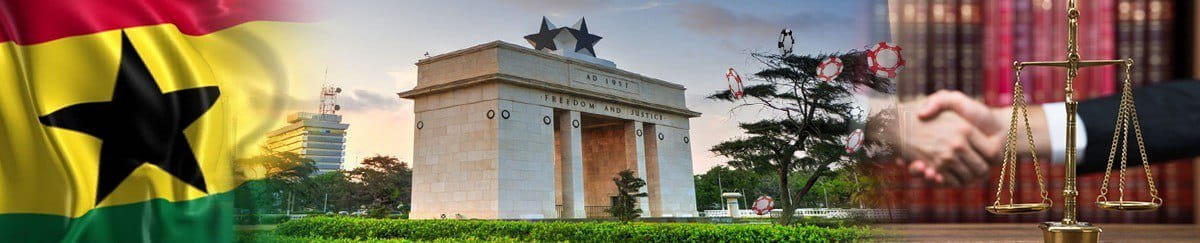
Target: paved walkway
x,y
1029,232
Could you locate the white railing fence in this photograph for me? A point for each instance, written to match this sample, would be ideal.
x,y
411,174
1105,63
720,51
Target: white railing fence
x,y
839,213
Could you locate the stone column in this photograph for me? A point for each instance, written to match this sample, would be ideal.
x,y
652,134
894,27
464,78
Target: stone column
x,y
635,151
653,185
571,152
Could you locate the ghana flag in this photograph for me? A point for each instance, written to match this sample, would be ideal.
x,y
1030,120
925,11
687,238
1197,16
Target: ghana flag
x,y
118,117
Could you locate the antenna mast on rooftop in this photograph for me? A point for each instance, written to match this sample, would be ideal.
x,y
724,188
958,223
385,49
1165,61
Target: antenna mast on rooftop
x,y
329,97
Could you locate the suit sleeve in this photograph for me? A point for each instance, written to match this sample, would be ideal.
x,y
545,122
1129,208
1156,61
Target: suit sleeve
x,y
1169,114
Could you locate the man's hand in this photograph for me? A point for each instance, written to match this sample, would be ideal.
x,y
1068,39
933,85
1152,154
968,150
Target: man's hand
x,y
986,119
991,124
945,147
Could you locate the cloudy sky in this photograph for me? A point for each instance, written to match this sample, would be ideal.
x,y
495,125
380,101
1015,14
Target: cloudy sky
x,y
370,48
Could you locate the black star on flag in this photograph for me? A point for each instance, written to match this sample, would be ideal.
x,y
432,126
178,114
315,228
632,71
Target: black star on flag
x,y
139,125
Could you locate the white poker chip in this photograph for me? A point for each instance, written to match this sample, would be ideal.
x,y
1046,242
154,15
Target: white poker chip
x,y
829,69
854,141
786,41
884,59
735,83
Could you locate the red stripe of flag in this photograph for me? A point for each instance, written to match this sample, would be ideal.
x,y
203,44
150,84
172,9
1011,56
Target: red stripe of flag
x,y
35,21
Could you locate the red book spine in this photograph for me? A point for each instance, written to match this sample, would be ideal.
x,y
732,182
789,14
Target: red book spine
x,y
1140,188
1166,181
943,210
1043,48
911,35
1098,32
1027,188
990,188
1023,43
938,46
971,47
920,42
950,46
1056,180
1056,83
1158,40
1185,199
919,203
1088,210
998,44
1137,43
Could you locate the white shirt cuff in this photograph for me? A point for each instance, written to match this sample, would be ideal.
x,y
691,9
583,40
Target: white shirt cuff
x,y
1056,124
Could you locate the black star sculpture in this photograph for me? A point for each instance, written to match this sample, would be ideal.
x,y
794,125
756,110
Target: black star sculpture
x,y
583,39
140,125
544,38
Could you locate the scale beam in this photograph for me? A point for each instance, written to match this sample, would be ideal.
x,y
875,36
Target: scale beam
x,y
1065,64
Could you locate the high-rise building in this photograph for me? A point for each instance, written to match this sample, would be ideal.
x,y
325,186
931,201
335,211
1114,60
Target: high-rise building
x,y
320,137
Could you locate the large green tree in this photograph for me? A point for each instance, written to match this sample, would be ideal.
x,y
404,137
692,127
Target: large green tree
x,y
719,179
275,180
807,119
841,187
337,192
284,176
384,181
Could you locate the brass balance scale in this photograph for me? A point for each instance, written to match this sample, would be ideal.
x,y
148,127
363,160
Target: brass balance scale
x,y
1070,229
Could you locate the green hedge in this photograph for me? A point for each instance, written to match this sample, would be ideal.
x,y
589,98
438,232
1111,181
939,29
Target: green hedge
x,y
272,238
360,228
256,219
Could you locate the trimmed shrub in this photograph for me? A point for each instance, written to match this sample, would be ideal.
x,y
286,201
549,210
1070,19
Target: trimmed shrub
x,y
256,219
424,230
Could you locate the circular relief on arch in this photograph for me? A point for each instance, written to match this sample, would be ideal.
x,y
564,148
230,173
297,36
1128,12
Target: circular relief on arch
x,y
504,114
639,132
575,123
686,140
491,114
660,136
420,124
546,119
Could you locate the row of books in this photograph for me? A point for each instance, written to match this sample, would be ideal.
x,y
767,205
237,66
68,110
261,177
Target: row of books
x,y
928,204
969,45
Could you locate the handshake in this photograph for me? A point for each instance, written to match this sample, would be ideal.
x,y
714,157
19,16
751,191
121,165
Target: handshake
x,y
954,140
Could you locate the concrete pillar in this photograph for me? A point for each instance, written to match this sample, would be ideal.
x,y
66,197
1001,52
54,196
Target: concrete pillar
x,y
571,152
731,204
635,151
653,185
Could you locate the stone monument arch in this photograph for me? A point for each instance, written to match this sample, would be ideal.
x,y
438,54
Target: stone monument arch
x,y
508,132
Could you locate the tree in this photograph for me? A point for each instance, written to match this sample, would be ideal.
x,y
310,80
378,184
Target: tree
x,y
719,179
338,188
628,190
279,176
384,181
810,116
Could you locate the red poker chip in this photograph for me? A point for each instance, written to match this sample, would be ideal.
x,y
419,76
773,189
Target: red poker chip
x,y
829,69
884,60
735,83
854,141
763,204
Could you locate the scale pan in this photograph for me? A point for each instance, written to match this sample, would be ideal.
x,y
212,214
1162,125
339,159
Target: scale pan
x,y
1019,208
1128,205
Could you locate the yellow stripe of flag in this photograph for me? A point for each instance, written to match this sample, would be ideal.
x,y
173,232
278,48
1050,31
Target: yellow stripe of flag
x,y
51,170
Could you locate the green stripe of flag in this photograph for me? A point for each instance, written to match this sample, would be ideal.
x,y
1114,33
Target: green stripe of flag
x,y
206,219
